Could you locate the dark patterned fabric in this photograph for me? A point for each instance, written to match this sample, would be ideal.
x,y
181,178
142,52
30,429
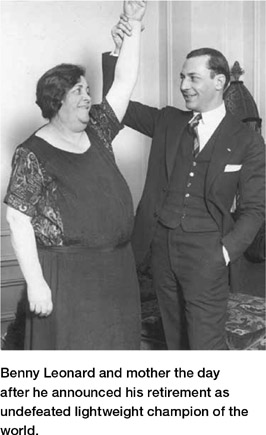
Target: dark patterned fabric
x,y
33,192
104,123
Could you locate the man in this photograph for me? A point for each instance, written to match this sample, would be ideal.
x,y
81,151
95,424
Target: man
x,y
199,161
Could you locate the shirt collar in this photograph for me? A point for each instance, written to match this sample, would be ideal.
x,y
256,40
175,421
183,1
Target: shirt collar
x,y
212,116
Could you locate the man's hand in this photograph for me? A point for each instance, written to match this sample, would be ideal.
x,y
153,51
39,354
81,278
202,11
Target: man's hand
x,y
135,10
118,32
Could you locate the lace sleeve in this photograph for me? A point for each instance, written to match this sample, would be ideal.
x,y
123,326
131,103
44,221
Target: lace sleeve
x,y
104,122
26,182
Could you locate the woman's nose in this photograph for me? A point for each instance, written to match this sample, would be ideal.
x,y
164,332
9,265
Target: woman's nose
x,y
86,96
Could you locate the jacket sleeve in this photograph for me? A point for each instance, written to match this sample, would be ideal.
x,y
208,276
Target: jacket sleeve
x,y
251,208
138,116
108,69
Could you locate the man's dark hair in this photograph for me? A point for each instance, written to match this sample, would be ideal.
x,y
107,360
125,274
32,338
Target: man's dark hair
x,y
53,86
217,63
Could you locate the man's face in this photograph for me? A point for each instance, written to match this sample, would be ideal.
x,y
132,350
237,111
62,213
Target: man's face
x,y
198,88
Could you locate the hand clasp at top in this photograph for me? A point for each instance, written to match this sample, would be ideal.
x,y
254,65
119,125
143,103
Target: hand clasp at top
x,y
135,10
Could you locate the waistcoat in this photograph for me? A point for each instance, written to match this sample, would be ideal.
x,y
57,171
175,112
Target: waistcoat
x,y
185,203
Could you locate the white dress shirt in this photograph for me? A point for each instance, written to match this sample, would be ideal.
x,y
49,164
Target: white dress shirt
x,y
208,124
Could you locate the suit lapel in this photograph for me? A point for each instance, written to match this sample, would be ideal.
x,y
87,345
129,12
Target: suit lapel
x,y
173,136
224,146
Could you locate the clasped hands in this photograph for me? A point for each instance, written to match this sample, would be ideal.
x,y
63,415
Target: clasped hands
x,y
132,10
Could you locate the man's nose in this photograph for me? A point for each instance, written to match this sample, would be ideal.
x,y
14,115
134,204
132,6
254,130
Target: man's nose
x,y
185,84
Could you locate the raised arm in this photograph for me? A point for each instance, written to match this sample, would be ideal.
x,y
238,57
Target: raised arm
x,y
127,66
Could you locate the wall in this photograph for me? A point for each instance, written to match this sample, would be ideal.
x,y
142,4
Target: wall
x,y
38,35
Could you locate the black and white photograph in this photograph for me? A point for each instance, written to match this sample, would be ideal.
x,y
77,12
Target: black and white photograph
x,y
133,182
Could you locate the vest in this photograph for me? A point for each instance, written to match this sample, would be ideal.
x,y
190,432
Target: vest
x,y
185,203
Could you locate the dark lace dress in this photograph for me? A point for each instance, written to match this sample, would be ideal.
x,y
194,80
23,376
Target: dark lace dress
x,y
82,215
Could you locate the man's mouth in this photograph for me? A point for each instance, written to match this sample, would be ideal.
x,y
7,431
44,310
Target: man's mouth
x,y
189,96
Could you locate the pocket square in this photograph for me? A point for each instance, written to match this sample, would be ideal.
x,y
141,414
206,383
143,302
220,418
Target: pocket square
x,y
232,168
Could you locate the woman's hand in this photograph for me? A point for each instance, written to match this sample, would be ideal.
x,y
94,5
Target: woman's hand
x,y
24,244
40,298
135,10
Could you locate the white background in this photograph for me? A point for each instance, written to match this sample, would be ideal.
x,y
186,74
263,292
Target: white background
x,y
242,373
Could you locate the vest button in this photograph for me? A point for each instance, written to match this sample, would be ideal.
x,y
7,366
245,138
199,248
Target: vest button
x,y
194,164
187,195
188,184
191,174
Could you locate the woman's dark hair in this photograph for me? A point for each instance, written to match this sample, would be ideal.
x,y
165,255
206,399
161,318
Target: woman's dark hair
x,y
217,63
53,86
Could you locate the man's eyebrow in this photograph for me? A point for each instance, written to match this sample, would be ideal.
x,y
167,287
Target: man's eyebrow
x,y
190,74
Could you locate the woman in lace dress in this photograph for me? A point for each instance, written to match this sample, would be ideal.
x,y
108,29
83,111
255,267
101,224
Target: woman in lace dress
x,y
70,212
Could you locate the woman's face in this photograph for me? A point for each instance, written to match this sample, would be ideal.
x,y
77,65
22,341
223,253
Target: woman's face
x,y
76,105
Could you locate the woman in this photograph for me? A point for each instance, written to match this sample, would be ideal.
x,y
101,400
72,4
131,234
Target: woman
x,y
70,212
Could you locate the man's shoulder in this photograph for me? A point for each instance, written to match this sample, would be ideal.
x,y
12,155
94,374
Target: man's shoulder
x,y
173,113
177,112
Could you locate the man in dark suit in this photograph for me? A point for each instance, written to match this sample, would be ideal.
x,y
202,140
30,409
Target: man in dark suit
x,y
199,161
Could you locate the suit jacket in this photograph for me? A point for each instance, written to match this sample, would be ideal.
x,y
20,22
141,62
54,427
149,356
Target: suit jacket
x,y
237,165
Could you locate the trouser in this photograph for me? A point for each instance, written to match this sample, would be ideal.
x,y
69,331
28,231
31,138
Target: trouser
x,y
190,279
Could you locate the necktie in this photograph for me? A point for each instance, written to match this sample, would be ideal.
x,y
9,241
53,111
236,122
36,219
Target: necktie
x,y
193,130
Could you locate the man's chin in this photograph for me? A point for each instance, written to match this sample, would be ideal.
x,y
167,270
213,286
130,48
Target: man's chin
x,y
189,106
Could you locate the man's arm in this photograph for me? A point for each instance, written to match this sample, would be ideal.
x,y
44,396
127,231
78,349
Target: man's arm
x,y
251,209
108,69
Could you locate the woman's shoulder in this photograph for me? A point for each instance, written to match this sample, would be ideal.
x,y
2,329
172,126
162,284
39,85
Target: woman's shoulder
x,y
28,144
104,122
33,155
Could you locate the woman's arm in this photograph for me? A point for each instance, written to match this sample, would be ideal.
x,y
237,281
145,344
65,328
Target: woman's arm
x,y
24,244
127,66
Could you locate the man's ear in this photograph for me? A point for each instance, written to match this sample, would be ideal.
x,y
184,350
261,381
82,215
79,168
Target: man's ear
x,y
220,82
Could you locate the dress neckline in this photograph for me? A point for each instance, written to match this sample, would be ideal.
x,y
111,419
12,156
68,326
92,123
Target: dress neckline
x,y
60,149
